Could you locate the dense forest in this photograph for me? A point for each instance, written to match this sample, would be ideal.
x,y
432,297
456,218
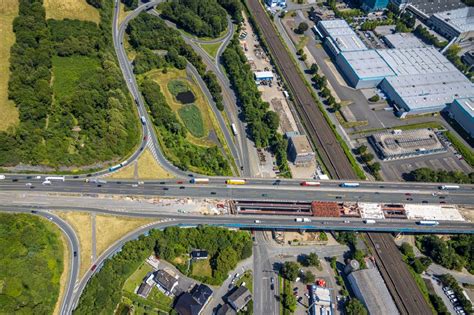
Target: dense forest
x,y
31,260
94,119
199,17
150,32
262,122
456,253
172,136
104,290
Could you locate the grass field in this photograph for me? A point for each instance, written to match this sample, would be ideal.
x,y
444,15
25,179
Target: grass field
x,y
71,9
111,228
177,86
192,119
122,14
201,102
81,223
147,168
211,49
8,11
136,278
201,268
68,71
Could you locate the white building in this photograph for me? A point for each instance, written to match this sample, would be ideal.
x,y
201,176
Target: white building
x,y
462,110
454,23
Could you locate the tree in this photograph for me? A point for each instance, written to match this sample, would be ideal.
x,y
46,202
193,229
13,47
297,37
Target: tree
x,y
355,307
290,270
302,27
299,52
313,260
336,107
308,277
374,98
362,149
375,167
313,69
303,57
367,157
289,302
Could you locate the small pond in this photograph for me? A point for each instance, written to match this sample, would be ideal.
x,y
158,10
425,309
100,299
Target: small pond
x,y
186,97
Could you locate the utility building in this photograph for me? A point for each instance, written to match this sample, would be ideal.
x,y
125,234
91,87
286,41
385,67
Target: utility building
x,y
339,36
300,151
462,110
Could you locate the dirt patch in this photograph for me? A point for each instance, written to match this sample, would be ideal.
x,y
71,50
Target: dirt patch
x,y
467,213
111,228
8,12
82,225
71,9
146,167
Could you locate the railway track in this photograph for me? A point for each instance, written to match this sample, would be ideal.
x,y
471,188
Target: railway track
x,y
318,129
400,283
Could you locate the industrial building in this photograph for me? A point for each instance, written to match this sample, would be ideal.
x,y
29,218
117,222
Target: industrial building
x,y
369,287
363,69
263,76
374,5
403,40
320,300
462,110
300,151
339,36
457,23
431,7
275,3
400,144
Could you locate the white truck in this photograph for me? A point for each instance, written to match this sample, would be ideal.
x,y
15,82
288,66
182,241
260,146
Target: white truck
x,y
298,219
369,221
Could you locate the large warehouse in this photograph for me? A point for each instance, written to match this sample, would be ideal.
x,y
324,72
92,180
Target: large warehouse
x,y
455,23
339,36
417,80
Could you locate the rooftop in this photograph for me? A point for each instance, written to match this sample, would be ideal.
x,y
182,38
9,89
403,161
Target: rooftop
x,y
433,6
342,34
165,280
407,141
301,144
370,210
367,64
412,61
461,19
403,40
240,297
373,291
428,90
433,212
467,104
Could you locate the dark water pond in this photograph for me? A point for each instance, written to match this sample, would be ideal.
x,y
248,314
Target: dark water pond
x,y
186,97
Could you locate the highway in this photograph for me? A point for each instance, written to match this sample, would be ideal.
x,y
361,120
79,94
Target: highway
x,y
256,189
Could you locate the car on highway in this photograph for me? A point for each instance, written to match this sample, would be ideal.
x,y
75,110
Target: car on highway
x,y
410,199
93,267
264,195
442,202
34,211
181,187
165,188
442,197
272,280
134,185
213,192
258,221
2,176
99,185
14,179
75,254
424,201
338,197
179,182
347,221
407,194
28,184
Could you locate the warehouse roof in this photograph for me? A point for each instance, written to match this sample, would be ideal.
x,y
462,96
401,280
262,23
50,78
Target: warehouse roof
x,y
403,40
342,35
301,144
260,75
430,7
407,141
416,61
373,291
462,20
367,64
428,90
467,104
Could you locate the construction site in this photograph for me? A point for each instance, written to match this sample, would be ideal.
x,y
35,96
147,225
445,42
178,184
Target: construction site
x,y
363,210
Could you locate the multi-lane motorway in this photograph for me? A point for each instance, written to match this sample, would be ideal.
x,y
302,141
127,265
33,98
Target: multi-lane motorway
x,y
256,189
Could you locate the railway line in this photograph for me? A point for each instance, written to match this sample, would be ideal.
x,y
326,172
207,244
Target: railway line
x,y
400,283
318,129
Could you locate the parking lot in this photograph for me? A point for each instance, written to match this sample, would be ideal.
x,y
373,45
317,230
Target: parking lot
x,y
449,161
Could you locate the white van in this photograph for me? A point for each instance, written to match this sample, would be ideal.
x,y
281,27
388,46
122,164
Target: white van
x,y
46,182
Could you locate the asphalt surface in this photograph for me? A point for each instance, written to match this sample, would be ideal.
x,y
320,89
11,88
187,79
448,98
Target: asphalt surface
x,y
125,66
74,259
257,190
265,294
